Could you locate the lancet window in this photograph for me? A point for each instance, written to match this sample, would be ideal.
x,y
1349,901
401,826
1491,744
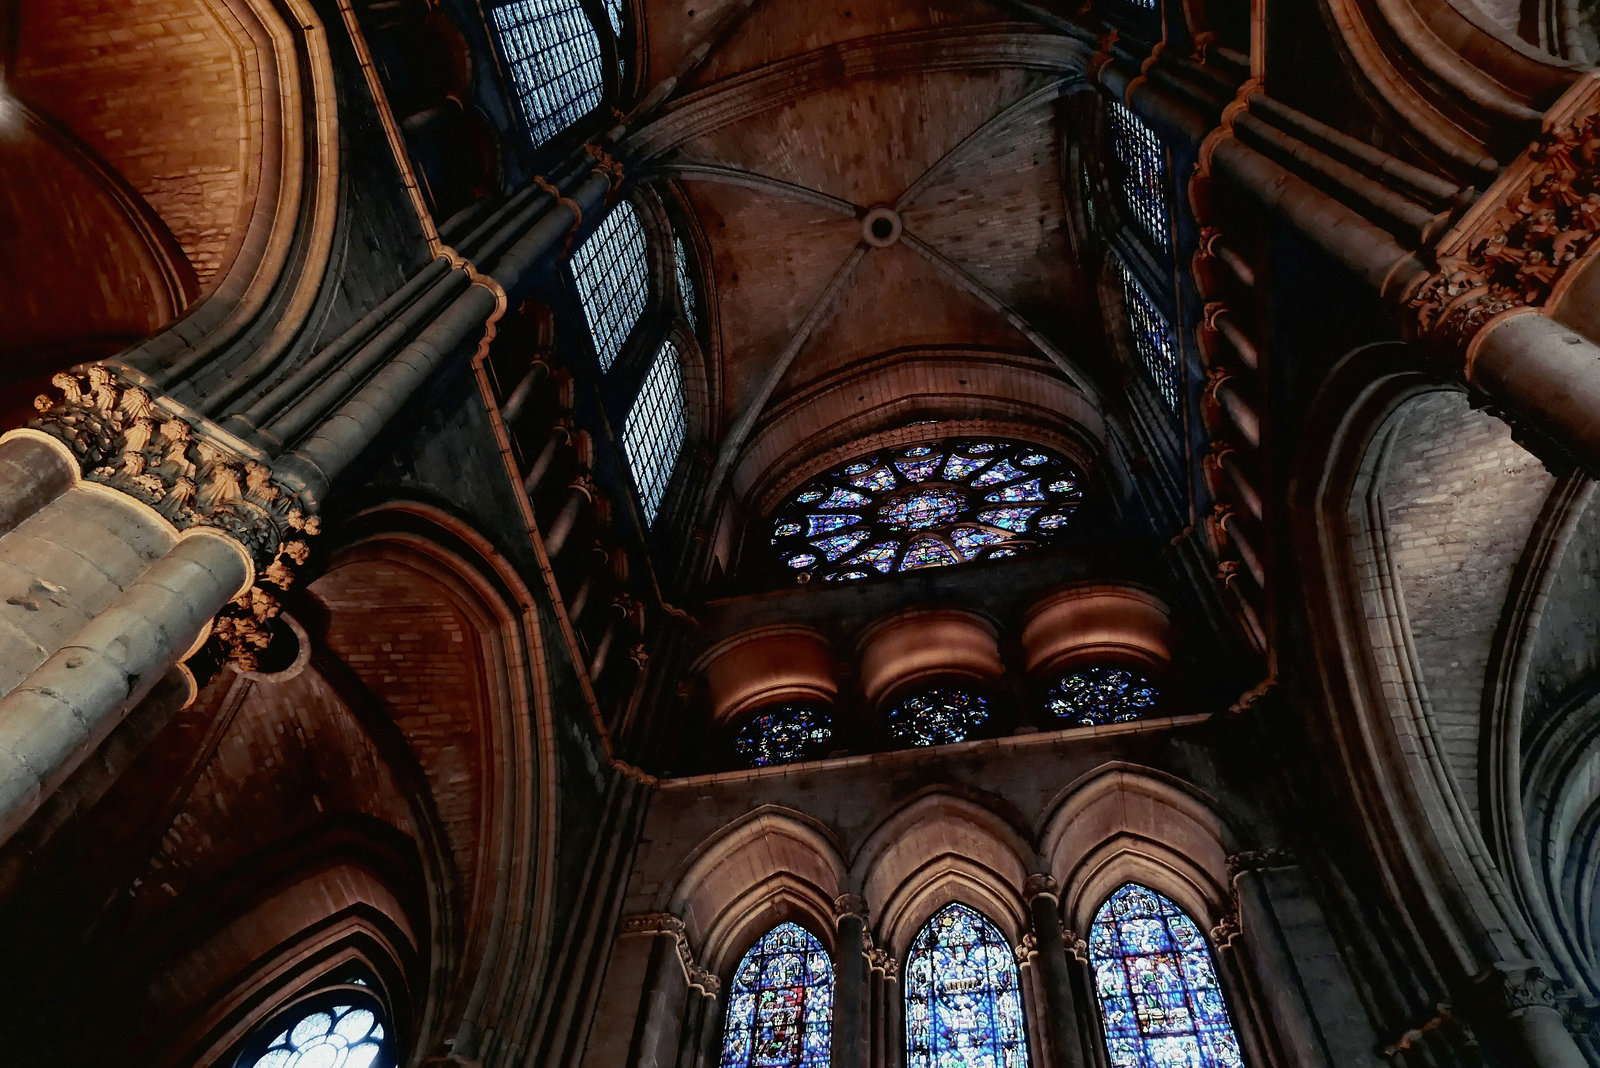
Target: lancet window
x,y
926,505
686,289
1141,159
329,1035
1095,696
614,13
940,715
653,433
784,734
612,278
780,1004
1152,337
1160,1002
553,55
963,1004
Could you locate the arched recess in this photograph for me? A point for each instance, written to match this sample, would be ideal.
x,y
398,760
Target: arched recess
x,y
222,124
939,848
771,866
1412,796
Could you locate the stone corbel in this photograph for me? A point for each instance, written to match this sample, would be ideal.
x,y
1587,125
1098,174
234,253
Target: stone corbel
x,y
192,473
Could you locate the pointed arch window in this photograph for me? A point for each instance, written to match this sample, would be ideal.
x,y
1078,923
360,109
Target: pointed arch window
x,y
1152,337
331,1031
963,1003
653,434
612,278
614,14
780,1005
553,55
1141,159
686,290
1161,1005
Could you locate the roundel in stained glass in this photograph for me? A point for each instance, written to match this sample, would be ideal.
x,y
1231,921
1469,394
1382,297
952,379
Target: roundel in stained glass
x,y
784,734
937,716
927,505
1092,697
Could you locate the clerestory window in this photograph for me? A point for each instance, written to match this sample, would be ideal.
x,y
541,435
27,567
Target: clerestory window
x,y
552,54
1152,337
784,734
1096,696
612,279
1142,163
334,1032
654,431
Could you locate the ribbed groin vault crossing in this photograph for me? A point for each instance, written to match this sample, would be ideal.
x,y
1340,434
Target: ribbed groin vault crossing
x,y
799,534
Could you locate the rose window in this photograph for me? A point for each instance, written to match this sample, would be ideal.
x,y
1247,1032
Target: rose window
x,y
927,505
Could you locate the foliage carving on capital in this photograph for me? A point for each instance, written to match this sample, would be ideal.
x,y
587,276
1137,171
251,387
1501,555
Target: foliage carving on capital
x,y
1037,884
850,905
183,469
1226,933
1510,252
1514,989
1027,949
880,960
1249,860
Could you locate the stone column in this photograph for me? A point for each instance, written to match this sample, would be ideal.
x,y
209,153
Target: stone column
x,y
890,1018
1525,1000
579,493
850,982
57,716
1544,377
1065,1039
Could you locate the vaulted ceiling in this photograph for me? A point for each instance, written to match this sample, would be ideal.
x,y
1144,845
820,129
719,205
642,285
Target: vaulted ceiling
x,y
790,123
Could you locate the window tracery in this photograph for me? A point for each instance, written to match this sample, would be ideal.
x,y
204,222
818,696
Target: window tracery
x,y
612,278
686,290
784,734
1095,696
963,1004
652,435
1152,337
941,715
780,1006
926,505
1142,162
553,55
1160,1002
332,1036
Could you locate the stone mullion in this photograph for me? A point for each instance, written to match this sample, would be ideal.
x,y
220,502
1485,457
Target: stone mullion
x,y
1049,955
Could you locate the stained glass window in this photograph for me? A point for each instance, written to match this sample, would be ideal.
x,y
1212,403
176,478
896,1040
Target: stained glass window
x,y
1151,336
1142,163
653,434
784,734
609,268
926,505
963,1005
614,13
1094,696
937,716
553,55
686,292
1160,1002
780,1007
336,1036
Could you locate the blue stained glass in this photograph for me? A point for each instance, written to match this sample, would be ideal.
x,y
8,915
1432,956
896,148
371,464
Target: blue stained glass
x,y
1143,164
881,479
963,1002
1008,518
780,1004
1160,1002
924,494
341,1036
1053,521
1099,695
971,540
799,560
929,508
821,524
783,735
959,467
839,544
1018,491
999,472
928,553
843,498
880,556
937,716
1152,338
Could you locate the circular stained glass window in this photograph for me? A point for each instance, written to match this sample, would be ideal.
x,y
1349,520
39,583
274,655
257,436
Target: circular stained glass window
x,y
334,1036
783,735
1091,697
938,716
927,505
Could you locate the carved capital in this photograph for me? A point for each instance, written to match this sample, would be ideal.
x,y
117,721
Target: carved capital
x,y
652,923
1258,860
1512,248
1516,988
850,905
1026,949
193,474
704,981
1039,884
1226,933
879,960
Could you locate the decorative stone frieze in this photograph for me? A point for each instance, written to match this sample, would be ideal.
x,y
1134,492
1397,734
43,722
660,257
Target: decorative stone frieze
x,y
1510,252
183,469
